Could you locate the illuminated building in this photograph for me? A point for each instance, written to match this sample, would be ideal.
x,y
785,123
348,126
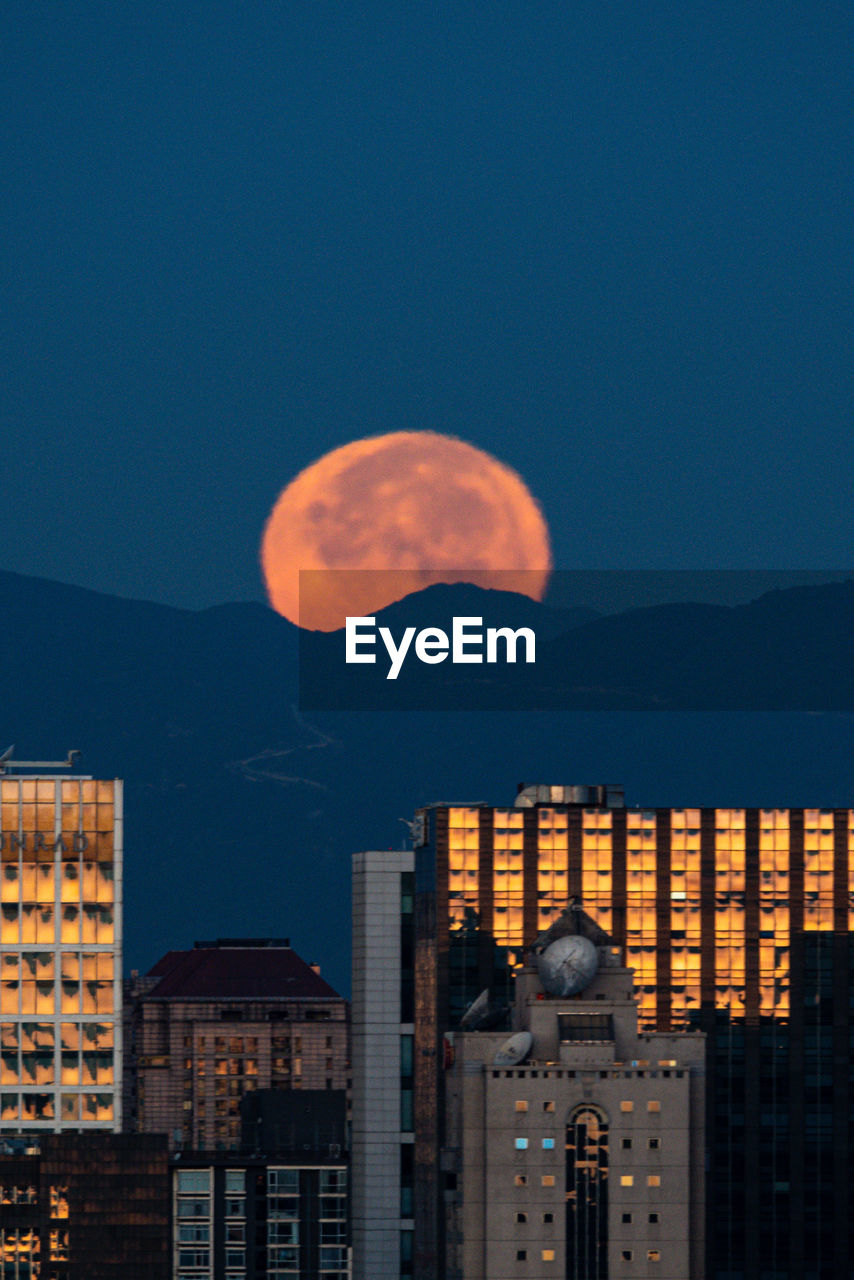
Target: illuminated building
x,y
208,1025
60,950
737,922
575,1146
84,1206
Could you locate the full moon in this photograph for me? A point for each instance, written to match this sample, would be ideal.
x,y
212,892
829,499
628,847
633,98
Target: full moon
x,y
418,506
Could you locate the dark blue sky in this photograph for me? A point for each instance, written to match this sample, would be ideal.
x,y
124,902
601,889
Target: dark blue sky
x,y
610,242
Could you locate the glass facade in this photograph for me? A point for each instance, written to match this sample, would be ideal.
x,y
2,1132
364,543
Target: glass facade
x,y
737,922
60,953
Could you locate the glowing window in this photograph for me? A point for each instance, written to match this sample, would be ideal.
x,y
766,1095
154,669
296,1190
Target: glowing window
x,y
547,1180
627,1180
653,1180
548,1255
652,1106
548,1144
521,1106
627,1106
521,1144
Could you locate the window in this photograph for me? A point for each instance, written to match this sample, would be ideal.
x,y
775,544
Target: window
x,y
653,1217
193,1180
548,1255
521,1255
653,1180
548,1217
521,1144
627,1255
627,1106
521,1179
547,1180
653,1106
521,1217
627,1180
548,1144
627,1144
654,1255
548,1106
521,1105
654,1144
627,1217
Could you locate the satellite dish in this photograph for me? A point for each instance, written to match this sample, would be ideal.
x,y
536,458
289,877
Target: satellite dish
x,y
514,1050
476,1010
568,965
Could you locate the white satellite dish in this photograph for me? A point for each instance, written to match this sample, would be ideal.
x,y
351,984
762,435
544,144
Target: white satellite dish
x,y
514,1050
568,965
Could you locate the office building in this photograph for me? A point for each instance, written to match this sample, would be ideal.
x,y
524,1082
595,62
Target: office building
x,y
84,1206
736,922
60,949
209,1025
574,1147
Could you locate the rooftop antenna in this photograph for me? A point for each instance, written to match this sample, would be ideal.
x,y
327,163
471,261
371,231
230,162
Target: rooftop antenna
x,y
7,763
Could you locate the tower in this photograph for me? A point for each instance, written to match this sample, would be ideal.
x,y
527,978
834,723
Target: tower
x,y
60,949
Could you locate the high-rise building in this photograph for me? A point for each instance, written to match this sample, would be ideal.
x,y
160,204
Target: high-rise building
x,y
208,1025
736,922
277,1206
84,1206
575,1145
60,950
383,1029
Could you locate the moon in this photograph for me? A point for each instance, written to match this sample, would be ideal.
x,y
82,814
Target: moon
x,y
392,514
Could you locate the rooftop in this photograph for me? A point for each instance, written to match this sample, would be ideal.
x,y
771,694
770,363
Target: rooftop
x,y
235,969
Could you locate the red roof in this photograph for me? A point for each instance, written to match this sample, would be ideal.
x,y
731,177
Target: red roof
x,y
238,973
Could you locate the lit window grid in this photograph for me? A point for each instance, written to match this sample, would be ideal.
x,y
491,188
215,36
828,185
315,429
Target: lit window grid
x,y
597,865
641,891
684,914
818,870
61,853
463,860
20,1248
774,915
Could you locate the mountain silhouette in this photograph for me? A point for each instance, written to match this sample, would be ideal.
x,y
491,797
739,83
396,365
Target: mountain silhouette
x,y
242,811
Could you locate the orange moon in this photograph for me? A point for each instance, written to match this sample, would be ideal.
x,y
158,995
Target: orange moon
x,y
393,514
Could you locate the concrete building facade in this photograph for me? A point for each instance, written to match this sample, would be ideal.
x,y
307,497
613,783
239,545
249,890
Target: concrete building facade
x,y
383,1028
209,1025
584,1157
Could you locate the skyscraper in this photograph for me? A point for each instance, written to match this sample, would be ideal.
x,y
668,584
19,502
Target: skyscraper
x,y
575,1145
60,950
736,922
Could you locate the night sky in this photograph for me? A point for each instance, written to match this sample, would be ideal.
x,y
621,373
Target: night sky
x,y
609,242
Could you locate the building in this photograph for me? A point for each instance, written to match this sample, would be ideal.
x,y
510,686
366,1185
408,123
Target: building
x,y
60,949
209,1025
84,1206
576,1146
736,922
383,1030
273,1208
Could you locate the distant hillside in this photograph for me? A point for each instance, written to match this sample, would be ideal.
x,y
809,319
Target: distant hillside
x,y
241,813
